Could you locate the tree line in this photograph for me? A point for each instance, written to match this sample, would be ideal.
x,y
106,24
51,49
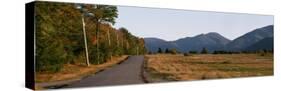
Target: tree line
x,y
59,35
175,51
205,51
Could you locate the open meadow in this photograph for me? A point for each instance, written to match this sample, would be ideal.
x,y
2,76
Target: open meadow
x,y
168,67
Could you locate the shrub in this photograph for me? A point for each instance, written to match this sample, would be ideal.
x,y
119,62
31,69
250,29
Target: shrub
x,y
159,50
262,53
173,51
186,54
193,52
204,51
50,58
167,51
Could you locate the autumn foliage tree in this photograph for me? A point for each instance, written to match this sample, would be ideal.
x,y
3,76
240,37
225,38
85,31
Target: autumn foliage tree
x,y
102,14
59,36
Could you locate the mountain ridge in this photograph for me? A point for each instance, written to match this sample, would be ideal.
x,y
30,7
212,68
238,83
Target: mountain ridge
x,y
251,37
212,41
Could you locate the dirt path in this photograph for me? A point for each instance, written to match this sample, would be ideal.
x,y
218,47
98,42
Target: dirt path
x,y
128,72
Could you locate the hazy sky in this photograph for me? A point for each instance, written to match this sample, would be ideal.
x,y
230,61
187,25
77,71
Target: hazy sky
x,y
171,24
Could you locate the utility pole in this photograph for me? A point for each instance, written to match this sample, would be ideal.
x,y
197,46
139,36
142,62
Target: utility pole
x,y
137,50
79,7
85,41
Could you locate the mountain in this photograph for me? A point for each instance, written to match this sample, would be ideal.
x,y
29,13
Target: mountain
x,y
211,41
152,44
250,38
266,43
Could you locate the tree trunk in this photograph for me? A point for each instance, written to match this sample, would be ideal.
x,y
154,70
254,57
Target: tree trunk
x,y
97,35
108,37
117,39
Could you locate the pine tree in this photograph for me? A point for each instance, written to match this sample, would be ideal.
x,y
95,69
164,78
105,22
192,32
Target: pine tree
x,y
204,51
167,50
159,50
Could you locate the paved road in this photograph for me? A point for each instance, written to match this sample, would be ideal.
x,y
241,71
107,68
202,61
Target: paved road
x,y
128,72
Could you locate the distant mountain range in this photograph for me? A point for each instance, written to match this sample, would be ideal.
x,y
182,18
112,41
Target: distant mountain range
x,y
261,38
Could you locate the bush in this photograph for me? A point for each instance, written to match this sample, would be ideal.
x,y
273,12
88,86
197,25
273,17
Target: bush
x,y
173,51
167,51
159,50
262,52
193,52
186,54
50,58
204,51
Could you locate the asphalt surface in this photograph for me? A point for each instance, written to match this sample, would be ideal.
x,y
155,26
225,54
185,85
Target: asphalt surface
x,y
128,72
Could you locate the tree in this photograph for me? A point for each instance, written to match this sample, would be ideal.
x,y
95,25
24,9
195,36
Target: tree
x,y
60,40
118,48
126,40
109,42
102,14
204,51
167,50
216,52
174,51
159,50
53,46
193,52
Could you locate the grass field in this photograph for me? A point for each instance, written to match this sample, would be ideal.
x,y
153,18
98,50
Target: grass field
x,y
207,66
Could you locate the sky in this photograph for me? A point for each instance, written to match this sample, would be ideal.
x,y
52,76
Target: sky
x,y
172,24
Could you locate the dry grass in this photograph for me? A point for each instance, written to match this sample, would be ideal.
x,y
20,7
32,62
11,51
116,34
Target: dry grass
x,y
71,71
208,66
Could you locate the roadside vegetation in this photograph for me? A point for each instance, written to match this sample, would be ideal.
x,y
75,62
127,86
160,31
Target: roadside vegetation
x,y
60,47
